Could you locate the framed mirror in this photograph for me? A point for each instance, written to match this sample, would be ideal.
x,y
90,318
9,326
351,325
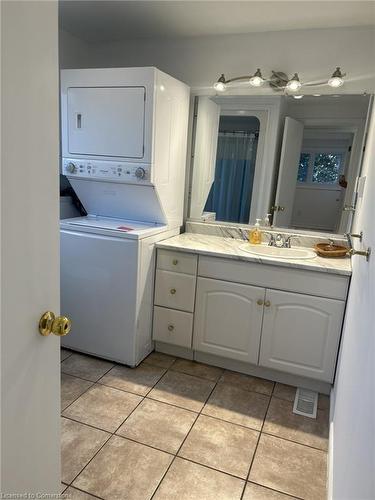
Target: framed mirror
x,y
293,160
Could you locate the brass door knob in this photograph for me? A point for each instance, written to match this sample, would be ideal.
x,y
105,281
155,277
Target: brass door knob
x,y
170,328
267,303
172,291
260,302
59,326
175,262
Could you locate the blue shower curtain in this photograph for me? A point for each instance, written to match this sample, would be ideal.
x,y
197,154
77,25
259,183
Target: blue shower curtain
x,y
230,194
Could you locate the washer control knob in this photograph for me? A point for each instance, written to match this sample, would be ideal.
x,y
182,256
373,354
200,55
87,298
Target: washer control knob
x,y
71,168
140,173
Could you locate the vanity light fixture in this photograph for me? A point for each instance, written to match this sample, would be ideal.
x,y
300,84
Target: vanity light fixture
x,y
294,83
337,78
257,79
299,96
280,82
220,85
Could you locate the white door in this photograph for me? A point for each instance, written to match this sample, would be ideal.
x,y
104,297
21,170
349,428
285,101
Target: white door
x,y
228,319
30,363
287,181
204,151
301,334
106,121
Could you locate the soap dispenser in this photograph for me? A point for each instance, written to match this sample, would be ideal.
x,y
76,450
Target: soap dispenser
x,y
255,235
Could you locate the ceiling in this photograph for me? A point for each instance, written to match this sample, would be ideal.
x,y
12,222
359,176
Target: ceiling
x,y
107,20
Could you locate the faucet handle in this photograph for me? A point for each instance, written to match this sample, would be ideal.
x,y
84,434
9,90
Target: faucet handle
x,y
288,240
271,241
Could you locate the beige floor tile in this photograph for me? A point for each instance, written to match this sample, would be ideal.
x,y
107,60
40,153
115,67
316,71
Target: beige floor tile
x,y
256,492
103,407
124,470
283,391
79,443
64,353
159,425
159,359
188,481
138,380
323,402
290,468
71,389
288,392
247,382
282,422
182,390
197,369
237,406
85,367
74,494
220,445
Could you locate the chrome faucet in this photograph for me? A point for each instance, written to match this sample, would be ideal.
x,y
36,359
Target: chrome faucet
x,y
280,240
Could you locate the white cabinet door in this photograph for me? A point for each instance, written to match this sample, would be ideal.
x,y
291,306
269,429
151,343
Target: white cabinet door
x,y
228,319
106,121
300,334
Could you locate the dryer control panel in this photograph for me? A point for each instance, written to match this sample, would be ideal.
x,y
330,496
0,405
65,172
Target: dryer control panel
x,y
110,171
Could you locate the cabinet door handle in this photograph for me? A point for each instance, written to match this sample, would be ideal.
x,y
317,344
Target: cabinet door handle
x,y
172,291
267,303
175,262
260,302
170,328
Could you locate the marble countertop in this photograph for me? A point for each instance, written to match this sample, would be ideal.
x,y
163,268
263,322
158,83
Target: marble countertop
x,y
229,248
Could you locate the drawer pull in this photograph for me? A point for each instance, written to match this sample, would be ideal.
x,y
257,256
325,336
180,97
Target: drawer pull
x,y
170,328
260,302
267,303
175,262
172,291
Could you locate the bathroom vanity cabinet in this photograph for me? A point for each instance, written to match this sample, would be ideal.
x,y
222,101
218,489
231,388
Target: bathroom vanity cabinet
x,y
259,315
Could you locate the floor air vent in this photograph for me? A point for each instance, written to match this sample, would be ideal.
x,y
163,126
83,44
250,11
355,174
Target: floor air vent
x,y
305,403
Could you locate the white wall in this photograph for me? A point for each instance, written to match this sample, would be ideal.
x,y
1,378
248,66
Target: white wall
x,y
199,61
353,413
73,52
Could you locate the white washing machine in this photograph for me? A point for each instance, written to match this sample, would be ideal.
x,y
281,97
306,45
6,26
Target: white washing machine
x,y
124,135
107,275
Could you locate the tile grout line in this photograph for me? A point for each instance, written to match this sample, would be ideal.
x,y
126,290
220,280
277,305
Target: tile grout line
x,y
185,438
257,444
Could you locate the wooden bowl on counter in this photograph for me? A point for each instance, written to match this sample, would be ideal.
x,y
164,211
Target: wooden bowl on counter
x,y
329,250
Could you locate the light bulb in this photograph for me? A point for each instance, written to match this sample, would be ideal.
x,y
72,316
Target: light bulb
x,y
336,79
220,85
294,84
298,96
257,80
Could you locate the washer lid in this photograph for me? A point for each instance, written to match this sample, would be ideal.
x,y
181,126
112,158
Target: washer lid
x,y
119,200
116,227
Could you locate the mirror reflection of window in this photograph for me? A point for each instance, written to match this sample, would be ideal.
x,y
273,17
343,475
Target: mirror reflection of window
x,y
231,191
321,179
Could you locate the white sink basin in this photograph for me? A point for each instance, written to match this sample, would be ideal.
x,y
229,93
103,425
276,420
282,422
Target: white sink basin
x,y
279,253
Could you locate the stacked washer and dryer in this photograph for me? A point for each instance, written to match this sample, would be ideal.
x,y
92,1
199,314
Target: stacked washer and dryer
x,y
124,136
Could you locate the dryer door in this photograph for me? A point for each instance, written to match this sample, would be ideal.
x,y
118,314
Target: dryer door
x,y
106,121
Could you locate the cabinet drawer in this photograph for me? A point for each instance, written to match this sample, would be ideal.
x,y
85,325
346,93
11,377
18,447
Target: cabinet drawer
x,y
177,262
173,327
175,290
